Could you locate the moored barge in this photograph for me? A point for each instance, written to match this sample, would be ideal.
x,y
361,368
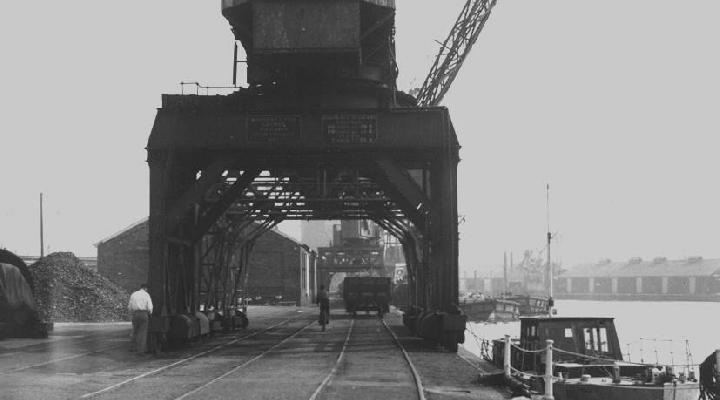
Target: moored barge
x,y
587,363
490,310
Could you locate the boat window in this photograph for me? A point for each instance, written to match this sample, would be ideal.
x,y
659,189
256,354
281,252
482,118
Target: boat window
x,y
596,339
603,340
568,333
587,335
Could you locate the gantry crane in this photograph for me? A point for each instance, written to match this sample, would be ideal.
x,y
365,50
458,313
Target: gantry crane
x,y
319,133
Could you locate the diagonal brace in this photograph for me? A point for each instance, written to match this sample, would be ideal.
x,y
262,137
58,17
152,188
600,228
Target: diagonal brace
x,y
400,185
196,192
213,212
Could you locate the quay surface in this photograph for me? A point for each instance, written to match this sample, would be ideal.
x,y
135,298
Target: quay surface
x,y
283,354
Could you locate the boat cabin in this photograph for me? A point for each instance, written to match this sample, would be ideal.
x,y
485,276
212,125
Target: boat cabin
x,y
490,310
595,337
589,336
531,305
587,361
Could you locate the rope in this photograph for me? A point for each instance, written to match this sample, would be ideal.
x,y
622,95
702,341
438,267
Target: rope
x,y
525,374
588,356
614,360
483,344
529,351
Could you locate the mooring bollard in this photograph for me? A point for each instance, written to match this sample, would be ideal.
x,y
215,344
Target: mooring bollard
x,y
549,371
506,356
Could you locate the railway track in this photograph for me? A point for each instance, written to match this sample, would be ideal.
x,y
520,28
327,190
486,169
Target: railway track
x,y
327,365
292,358
175,364
65,343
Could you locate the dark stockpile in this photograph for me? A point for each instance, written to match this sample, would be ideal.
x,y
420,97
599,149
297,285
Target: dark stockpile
x,y
68,291
9,257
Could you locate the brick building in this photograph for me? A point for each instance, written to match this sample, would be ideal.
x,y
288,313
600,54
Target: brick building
x,y
280,268
124,257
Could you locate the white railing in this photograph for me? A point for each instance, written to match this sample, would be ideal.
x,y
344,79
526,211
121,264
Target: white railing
x,y
548,377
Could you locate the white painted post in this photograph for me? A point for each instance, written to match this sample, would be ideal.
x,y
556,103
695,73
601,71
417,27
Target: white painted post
x,y
664,285
614,284
506,356
569,285
638,285
549,371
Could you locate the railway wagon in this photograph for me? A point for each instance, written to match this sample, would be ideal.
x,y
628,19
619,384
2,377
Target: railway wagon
x,y
367,293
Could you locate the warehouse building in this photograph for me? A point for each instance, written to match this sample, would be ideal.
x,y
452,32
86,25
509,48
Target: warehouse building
x,y
692,278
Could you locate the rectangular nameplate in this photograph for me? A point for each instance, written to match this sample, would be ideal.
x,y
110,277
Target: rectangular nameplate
x,y
273,128
350,128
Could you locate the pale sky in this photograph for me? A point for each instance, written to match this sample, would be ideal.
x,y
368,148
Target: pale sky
x,y
615,104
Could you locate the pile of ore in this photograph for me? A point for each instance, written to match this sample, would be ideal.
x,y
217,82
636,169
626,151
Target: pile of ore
x,y
68,291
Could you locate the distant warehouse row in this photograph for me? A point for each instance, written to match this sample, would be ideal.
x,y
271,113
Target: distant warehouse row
x,y
692,278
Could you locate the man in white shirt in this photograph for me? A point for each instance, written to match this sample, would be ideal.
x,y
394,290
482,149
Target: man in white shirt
x,y
140,307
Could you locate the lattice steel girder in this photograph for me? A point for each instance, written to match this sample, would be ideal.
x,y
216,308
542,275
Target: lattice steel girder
x,y
454,50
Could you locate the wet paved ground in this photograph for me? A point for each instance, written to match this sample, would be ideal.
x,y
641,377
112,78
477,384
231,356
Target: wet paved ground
x,y
282,355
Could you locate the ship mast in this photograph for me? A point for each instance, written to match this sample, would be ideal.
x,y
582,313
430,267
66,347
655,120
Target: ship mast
x,y
549,239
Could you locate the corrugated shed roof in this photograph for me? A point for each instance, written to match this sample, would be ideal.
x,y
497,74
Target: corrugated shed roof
x,y
694,266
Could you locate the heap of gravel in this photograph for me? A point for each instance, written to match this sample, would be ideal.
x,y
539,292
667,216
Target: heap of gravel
x,y
68,291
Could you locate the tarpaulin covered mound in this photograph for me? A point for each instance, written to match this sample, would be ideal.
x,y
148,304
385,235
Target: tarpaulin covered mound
x,y
68,291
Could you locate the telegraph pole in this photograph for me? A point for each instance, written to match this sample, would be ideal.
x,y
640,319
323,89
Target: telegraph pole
x,y
42,238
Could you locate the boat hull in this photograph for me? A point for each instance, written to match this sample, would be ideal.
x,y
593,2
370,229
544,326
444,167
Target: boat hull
x,y
490,310
531,305
564,390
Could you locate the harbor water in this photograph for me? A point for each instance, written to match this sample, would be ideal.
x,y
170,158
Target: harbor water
x,y
651,332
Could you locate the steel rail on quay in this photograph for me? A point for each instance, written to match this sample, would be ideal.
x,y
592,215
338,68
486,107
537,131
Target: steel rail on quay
x,y
283,355
74,364
146,383
60,350
67,355
299,361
